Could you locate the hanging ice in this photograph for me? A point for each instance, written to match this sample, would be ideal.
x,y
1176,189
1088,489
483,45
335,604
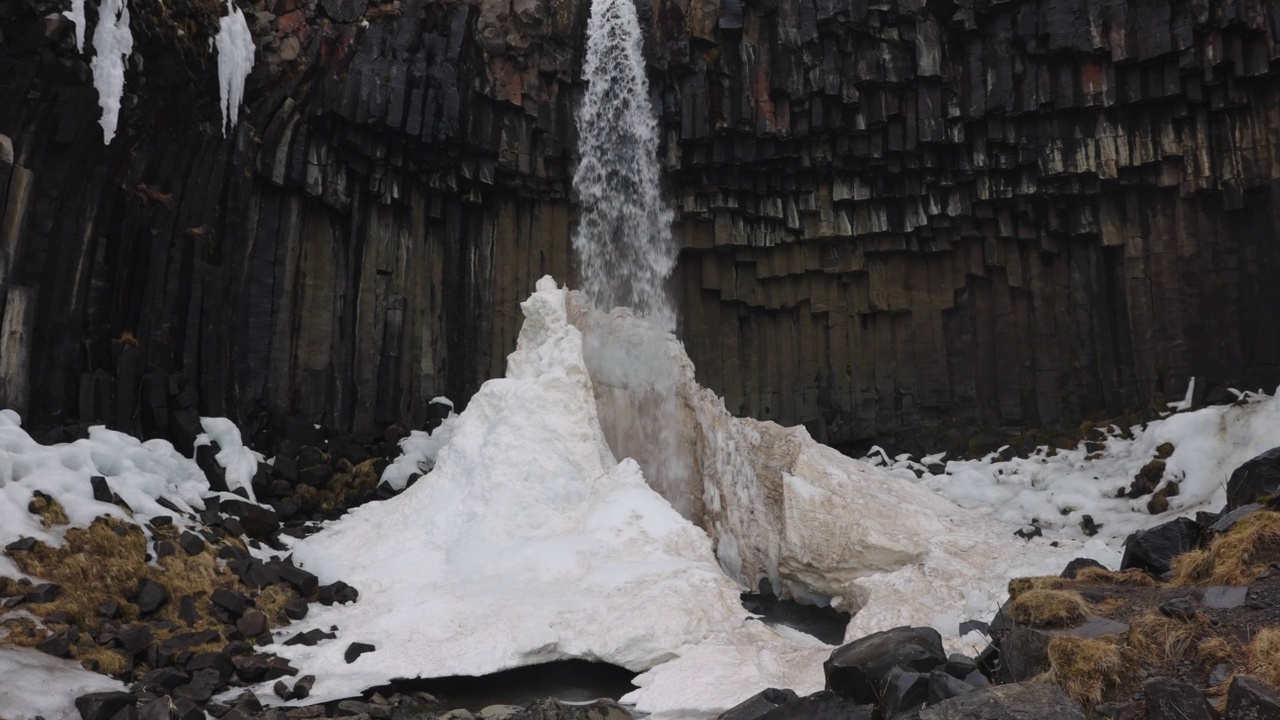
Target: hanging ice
x,y
235,61
76,16
112,43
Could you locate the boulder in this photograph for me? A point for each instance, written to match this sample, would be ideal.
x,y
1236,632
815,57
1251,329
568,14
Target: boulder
x,y
758,704
905,690
1256,478
1248,699
104,705
1020,701
1154,549
1228,519
1169,698
149,596
355,650
824,705
857,671
944,686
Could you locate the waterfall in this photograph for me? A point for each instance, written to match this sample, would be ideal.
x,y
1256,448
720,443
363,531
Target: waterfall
x,y
624,245
623,240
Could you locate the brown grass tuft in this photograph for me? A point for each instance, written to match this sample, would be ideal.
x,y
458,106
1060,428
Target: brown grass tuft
x,y
1235,558
23,632
1018,586
50,511
271,602
1159,640
99,659
1048,608
1086,668
1264,655
1214,650
1136,578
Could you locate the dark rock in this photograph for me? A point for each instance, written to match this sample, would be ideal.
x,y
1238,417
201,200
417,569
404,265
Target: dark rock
x,y
187,709
252,623
191,543
1020,701
163,681
824,705
1075,566
1257,478
165,548
229,600
857,671
969,626
1153,550
1088,526
905,690
304,582
286,468
57,644
149,596
316,475
758,704
21,545
252,668
101,491
219,662
203,684
348,708
295,608
109,609
960,666
103,705
278,667
1227,520
160,708
1028,532
1168,698
302,688
339,592
944,686
1178,609
1248,699
187,610
206,459
253,573
310,638
42,593
135,639
256,521
355,650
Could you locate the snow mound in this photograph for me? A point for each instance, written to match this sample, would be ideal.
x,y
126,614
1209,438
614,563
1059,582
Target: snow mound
x,y
40,685
528,542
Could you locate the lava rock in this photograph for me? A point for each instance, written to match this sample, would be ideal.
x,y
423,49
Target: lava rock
x,y
944,686
295,608
252,668
960,666
135,639
206,460
1018,701
109,609
58,644
904,690
21,545
355,650
103,705
759,704
1153,550
219,662
1074,567
204,683
1248,699
857,671
302,688
310,638
1256,478
160,708
163,681
1178,609
1168,698
149,596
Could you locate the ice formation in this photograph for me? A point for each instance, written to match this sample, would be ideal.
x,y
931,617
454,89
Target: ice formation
x,y
623,239
529,542
112,44
76,16
235,62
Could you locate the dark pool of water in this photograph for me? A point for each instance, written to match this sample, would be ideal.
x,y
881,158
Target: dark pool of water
x,y
823,623
573,681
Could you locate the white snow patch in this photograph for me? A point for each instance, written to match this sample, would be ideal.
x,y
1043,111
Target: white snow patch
x,y
240,462
235,62
36,684
418,453
112,43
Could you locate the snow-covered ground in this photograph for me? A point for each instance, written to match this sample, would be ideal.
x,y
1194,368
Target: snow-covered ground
x,y
39,685
528,540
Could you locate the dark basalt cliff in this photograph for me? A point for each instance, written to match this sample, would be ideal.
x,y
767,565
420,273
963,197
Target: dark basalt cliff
x,y
891,213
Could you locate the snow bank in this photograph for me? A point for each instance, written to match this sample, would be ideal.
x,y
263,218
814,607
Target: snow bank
x,y
40,685
235,62
139,472
240,462
112,43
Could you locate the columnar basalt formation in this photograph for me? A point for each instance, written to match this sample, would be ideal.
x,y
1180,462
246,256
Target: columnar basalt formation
x,y
1006,213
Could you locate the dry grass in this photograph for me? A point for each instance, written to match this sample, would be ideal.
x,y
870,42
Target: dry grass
x,y
1018,586
1048,608
23,632
1263,655
50,511
1236,558
1086,668
1214,650
1136,578
99,659
271,602
1159,640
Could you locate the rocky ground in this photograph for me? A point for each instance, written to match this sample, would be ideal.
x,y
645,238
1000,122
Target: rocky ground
x,y
186,608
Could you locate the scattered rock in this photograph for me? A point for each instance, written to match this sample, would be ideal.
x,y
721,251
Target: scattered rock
x,y
42,593
1153,550
1256,478
101,491
857,671
759,704
1074,567
252,624
1018,701
149,596
1228,519
1225,597
1168,698
339,592
103,705
191,543
824,705
355,650
944,686
905,690
1248,699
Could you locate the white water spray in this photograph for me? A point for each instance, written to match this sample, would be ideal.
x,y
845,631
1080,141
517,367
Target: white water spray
x,y
623,239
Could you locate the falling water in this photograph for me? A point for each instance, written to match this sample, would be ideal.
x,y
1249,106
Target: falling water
x,y
624,245
623,239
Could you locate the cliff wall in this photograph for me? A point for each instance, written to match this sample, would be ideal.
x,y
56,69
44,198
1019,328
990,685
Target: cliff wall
x,y
893,215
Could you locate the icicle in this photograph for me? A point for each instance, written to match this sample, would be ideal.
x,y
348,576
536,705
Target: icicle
x,y
112,43
235,61
76,16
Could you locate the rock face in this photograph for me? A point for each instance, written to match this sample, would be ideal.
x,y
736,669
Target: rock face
x,y
1003,213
